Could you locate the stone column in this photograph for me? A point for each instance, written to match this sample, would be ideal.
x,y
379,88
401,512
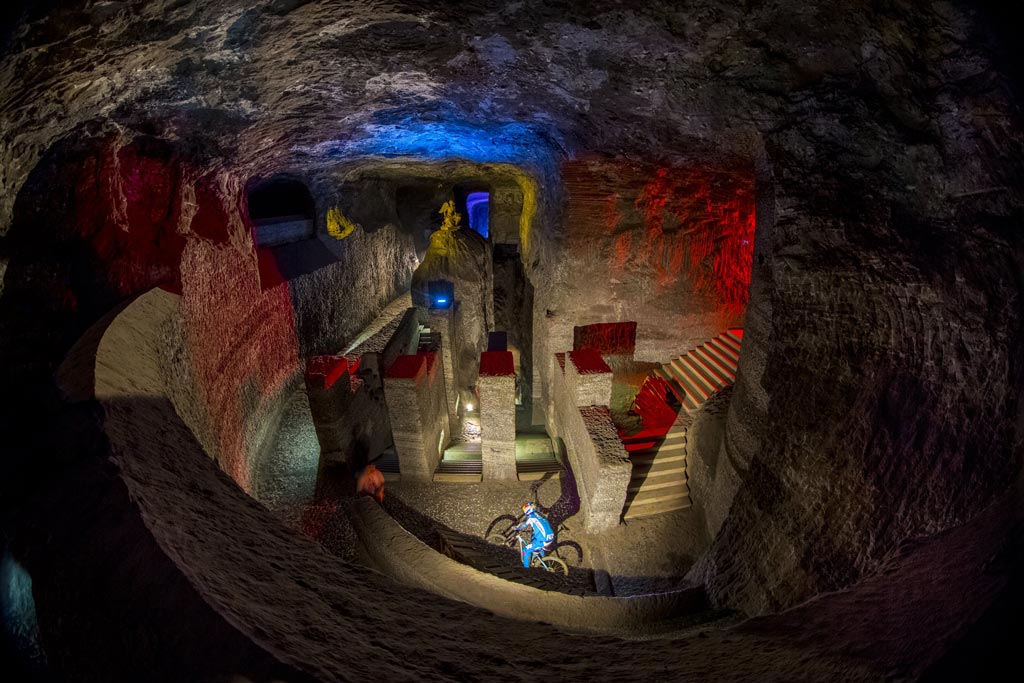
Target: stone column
x,y
329,387
440,320
417,408
588,378
496,387
581,389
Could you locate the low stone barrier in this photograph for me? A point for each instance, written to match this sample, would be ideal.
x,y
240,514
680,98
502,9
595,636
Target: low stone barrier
x,y
400,555
599,461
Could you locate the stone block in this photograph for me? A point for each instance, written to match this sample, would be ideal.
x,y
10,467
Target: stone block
x,y
414,392
588,378
598,460
328,385
497,395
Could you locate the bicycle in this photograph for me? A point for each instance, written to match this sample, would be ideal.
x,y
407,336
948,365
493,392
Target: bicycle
x,y
502,532
548,563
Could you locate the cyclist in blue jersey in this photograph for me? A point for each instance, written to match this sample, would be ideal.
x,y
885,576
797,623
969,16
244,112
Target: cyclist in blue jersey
x,y
543,536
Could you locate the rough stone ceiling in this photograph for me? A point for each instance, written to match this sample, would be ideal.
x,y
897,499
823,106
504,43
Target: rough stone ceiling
x,y
269,84
889,150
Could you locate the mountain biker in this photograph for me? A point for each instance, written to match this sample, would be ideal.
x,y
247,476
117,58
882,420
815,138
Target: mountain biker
x,y
543,536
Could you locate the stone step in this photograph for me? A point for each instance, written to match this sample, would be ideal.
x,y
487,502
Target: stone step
x,y
458,470
714,364
657,484
657,496
685,365
730,341
670,435
662,450
711,365
735,334
460,466
689,402
723,358
457,477
660,472
543,465
692,385
642,467
700,373
642,511
725,350
641,446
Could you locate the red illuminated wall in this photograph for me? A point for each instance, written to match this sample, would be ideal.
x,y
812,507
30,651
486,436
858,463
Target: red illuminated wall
x,y
126,206
618,338
241,341
691,222
147,218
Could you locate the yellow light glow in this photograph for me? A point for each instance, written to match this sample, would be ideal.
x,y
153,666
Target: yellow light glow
x,y
338,226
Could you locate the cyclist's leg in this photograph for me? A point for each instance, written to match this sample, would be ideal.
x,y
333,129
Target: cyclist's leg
x,y
528,552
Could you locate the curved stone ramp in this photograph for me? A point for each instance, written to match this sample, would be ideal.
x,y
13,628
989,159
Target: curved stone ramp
x,y
400,555
338,621
501,562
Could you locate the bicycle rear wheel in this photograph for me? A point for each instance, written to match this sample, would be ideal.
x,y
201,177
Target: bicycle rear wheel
x,y
499,539
501,525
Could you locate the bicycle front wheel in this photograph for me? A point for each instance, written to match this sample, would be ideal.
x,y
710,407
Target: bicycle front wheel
x,y
551,564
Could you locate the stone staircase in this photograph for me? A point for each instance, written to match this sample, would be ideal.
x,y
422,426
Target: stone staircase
x,y
701,372
535,458
461,462
428,341
387,463
658,482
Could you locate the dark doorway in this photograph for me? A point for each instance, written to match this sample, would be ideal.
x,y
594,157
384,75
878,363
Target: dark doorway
x,y
281,210
513,309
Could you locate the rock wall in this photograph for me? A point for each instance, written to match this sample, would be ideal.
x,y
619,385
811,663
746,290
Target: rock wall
x,y
879,391
711,478
667,248
879,394
600,464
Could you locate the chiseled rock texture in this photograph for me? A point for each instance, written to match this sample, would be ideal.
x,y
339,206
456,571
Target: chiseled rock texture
x,y
875,425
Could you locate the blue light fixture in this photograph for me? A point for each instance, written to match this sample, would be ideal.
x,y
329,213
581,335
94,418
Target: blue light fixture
x,y
478,208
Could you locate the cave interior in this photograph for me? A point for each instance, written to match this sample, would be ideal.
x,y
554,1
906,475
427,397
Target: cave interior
x,y
302,302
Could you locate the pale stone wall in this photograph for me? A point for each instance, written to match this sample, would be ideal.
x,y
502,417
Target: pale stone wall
x,y
588,388
598,460
440,320
419,418
498,425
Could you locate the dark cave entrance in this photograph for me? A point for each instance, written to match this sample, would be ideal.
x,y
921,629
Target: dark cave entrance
x,y
472,200
281,210
283,217
513,313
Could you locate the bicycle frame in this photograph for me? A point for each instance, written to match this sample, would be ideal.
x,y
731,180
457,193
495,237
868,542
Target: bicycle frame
x,y
540,556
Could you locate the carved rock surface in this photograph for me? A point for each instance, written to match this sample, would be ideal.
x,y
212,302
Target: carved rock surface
x,y
875,427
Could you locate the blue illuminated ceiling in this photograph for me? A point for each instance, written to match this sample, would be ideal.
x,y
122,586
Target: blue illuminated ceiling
x,y
426,137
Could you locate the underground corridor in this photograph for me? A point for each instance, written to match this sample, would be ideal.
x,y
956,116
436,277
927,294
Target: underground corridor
x,y
511,341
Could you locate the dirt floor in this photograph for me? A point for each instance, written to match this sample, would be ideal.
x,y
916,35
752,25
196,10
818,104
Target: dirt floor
x,y
646,555
642,556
